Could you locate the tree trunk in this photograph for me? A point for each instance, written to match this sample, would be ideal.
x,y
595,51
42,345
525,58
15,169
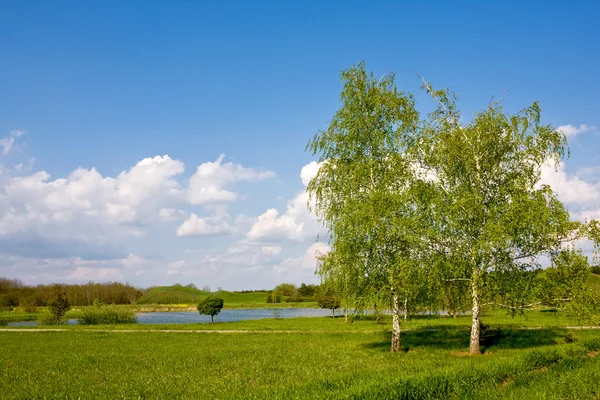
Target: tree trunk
x,y
346,315
212,319
405,308
474,347
396,345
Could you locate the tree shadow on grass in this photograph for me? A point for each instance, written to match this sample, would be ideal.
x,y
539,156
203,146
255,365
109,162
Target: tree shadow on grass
x,y
453,338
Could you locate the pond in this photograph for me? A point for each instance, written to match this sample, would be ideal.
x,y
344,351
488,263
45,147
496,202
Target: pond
x,y
191,317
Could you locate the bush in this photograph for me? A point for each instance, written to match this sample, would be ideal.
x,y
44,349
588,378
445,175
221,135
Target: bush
x,y
51,319
58,304
108,315
595,269
212,305
3,321
273,298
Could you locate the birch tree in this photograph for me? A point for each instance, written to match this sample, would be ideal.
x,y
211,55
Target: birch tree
x,y
362,190
493,217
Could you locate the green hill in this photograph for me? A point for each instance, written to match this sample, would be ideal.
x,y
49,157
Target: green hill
x,y
186,295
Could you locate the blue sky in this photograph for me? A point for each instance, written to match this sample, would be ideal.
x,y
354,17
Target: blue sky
x,y
105,85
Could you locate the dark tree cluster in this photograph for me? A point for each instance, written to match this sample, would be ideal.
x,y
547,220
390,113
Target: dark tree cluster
x,y
13,293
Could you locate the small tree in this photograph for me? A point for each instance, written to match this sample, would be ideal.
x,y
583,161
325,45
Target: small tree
x,y
273,298
58,305
212,305
329,302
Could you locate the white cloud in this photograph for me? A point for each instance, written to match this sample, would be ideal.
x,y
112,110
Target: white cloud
x,y
571,189
88,210
195,226
297,223
579,192
572,131
308,172
7,142
170,214
208,185
302,268
131,197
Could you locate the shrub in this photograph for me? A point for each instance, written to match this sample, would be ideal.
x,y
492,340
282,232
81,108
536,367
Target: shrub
x,y
58,305
595,269
51,319
3,321
211,305
273,298
108,315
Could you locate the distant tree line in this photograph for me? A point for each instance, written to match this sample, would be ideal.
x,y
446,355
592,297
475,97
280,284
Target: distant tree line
x,y
13,293
290,293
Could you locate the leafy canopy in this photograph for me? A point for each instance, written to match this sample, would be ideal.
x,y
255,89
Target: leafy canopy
x,y
211,305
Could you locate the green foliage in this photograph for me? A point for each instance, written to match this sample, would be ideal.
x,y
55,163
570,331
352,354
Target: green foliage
x,y
187,295
58,304
212,305
273,298
363,192
3,320
286,289
329,302
307,290
15,293
567,285
107,315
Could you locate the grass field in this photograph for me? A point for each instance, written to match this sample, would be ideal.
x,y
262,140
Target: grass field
x,y
303,358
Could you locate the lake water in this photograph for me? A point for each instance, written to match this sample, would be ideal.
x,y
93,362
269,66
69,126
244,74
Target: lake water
x,y
191,317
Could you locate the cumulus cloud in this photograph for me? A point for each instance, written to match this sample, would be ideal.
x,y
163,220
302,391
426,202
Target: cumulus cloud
x,y
571,189
88,209
296,223
195,226
579,192
210,182
572,131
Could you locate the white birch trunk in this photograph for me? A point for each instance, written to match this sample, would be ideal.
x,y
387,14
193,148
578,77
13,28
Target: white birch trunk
x,y
396,345
474,346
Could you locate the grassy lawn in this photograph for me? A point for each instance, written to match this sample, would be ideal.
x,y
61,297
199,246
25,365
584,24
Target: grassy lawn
x,y
315,358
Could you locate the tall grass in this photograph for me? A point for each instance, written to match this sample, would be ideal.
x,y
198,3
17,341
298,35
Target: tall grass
x,y
107,315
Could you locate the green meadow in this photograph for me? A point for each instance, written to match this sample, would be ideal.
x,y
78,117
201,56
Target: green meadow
x,y
539,356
